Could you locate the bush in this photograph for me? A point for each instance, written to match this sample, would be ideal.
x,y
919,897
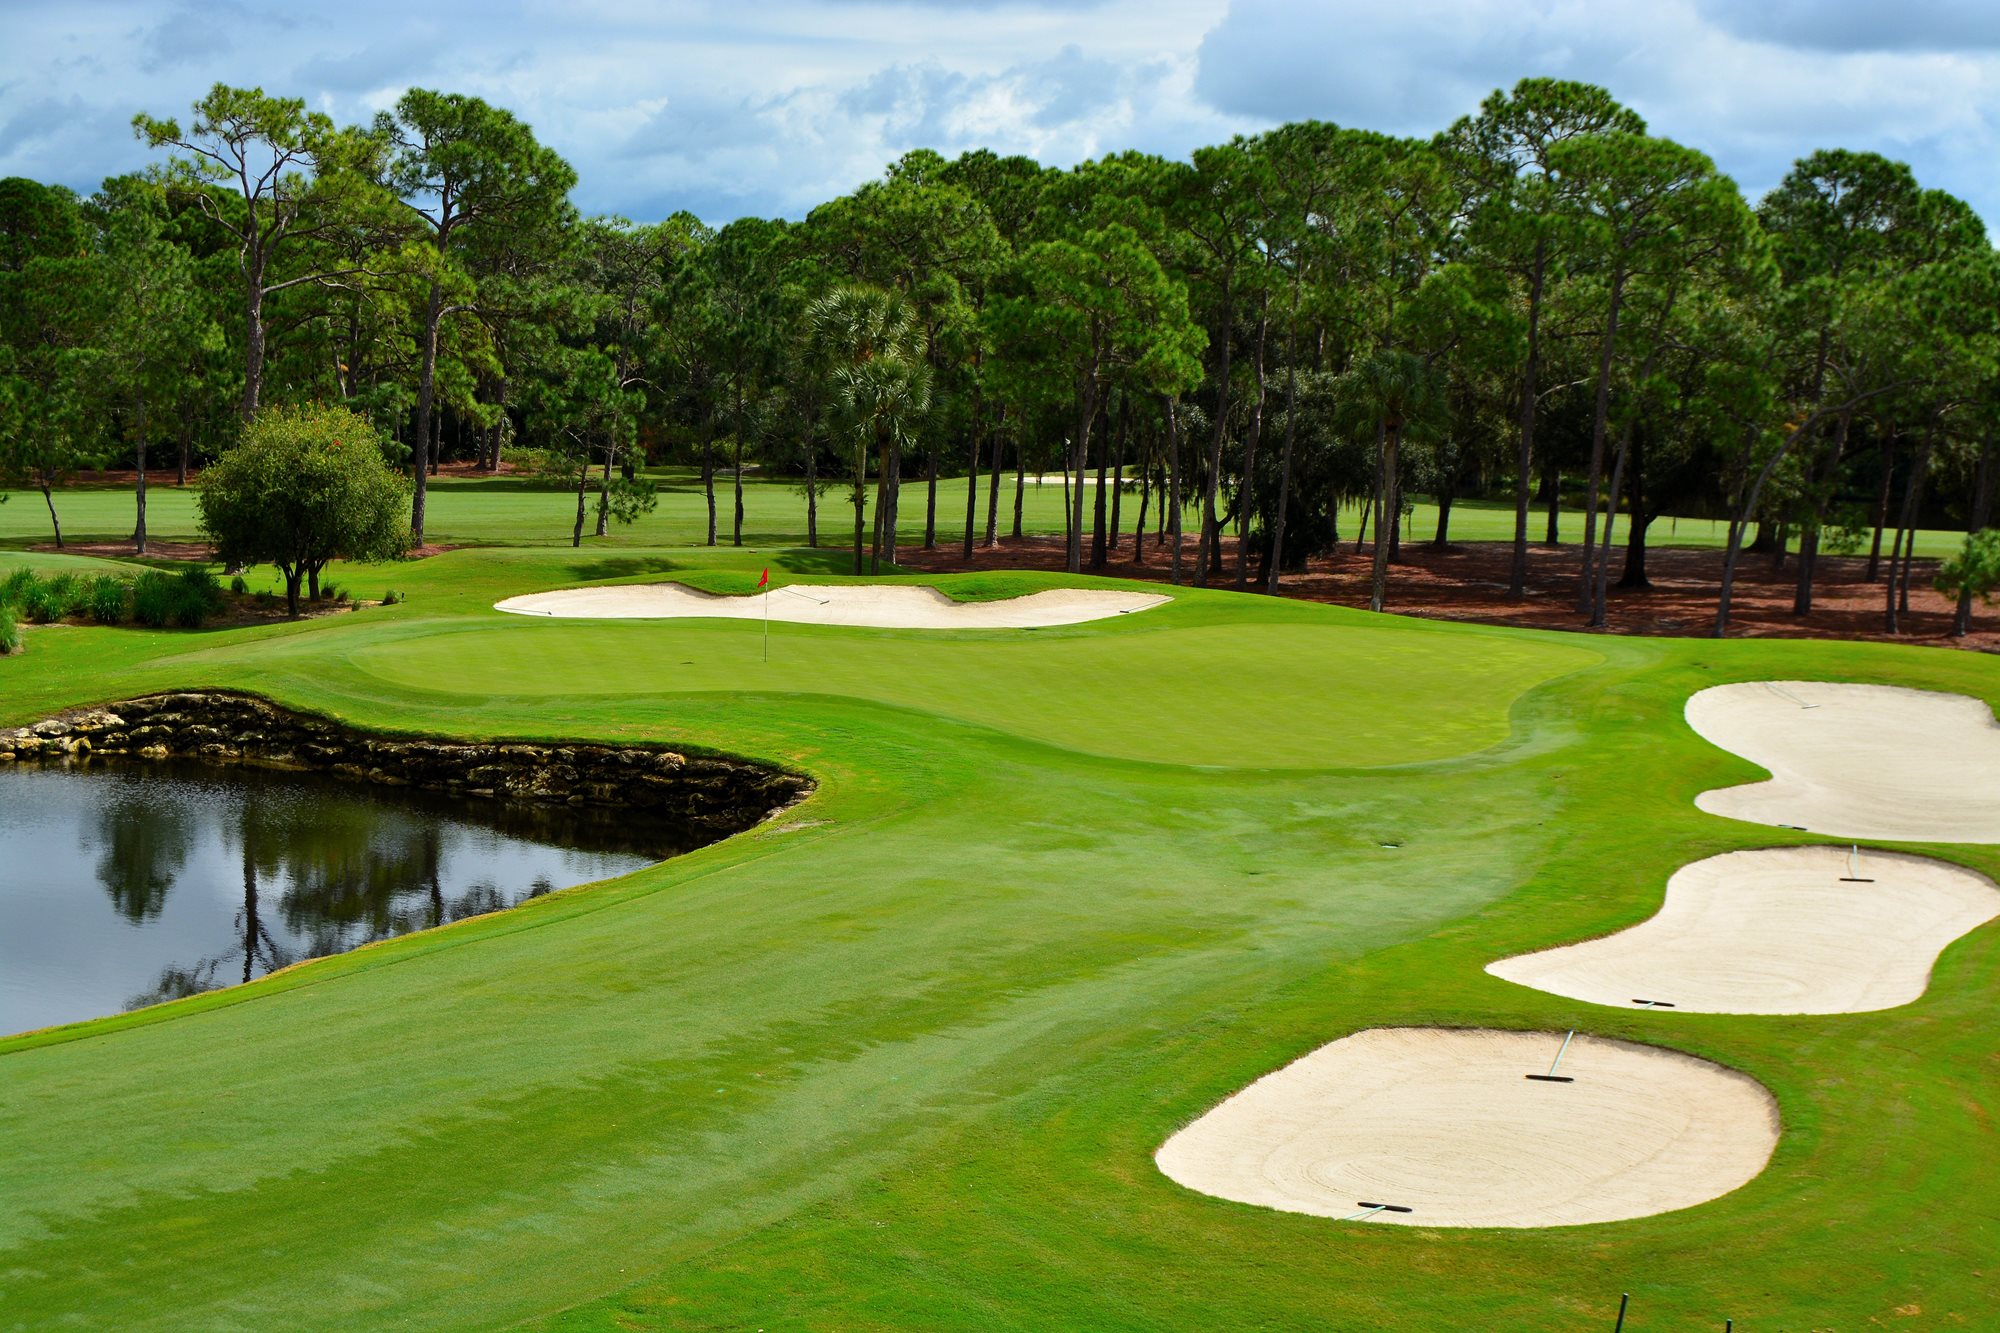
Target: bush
x,y
15,590
238,585
196,595
153,599
10,633
105,599
45,602
391,597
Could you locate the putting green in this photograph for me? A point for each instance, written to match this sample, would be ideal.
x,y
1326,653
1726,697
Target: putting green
x,y
903,1060
1309,696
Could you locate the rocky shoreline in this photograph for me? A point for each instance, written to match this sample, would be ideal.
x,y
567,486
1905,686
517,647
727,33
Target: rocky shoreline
x,y
722,795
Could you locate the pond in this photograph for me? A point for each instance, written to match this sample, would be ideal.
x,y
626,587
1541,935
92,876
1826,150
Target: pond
x,y
124,884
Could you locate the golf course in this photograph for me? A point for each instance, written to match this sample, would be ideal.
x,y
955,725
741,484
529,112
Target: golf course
x,y
903,1055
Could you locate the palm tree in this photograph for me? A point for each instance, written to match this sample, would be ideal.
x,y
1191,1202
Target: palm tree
x,y
879,387
1397,393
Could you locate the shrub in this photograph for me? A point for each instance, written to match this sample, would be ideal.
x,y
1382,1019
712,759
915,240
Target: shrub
x,y
45,602
106,599
238,585
331,593
153,599
15,590
391,597
10,633
196,596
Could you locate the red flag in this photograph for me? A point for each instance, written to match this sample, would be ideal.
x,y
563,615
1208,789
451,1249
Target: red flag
x,y
764,579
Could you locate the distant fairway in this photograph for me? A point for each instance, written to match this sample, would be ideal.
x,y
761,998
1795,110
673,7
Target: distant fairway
x,y
903,1059
513,512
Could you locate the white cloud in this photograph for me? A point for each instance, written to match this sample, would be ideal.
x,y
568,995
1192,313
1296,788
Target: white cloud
x,y
726,108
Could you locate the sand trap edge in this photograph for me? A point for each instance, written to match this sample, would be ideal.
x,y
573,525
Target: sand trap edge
x,y
1731,1129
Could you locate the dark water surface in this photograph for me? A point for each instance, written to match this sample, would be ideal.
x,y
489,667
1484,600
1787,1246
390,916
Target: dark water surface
x,y
122,884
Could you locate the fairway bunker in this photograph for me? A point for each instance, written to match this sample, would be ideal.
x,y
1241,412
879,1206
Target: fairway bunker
x,y
1856,761
871,606
1782,930
1441,1122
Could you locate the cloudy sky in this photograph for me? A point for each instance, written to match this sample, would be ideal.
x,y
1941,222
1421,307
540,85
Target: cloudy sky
x,y
769,106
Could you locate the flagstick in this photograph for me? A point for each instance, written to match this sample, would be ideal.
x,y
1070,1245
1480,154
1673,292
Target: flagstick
x,y
767,622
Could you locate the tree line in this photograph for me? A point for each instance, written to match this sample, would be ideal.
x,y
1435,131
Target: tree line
x,y
1543,300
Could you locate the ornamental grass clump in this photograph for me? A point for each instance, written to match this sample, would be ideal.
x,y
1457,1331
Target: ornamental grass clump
x,y
153,599
105,599
10,631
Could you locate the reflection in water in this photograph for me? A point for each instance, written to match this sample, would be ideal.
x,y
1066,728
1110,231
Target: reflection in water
x,y
217,876
145,845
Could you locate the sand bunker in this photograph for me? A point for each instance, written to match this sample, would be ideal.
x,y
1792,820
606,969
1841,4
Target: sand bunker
x,y
1857,761
1444,1123
872,606
1776,931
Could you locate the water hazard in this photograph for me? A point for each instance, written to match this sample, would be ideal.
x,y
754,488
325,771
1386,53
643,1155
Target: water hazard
x,y
124,884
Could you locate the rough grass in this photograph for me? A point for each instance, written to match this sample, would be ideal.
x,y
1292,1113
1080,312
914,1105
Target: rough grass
x,y
901,1061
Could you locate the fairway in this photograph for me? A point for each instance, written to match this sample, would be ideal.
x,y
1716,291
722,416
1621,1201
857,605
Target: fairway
x,y
904,1057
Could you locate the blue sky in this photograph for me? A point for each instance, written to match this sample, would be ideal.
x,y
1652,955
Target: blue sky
x,y
769,106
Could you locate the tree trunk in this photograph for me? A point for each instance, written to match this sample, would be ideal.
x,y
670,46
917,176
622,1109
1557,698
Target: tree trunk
x,y
895,500
993,484
1552,486
1145,500
1982,513
1906,540
736,529
972,483
1079,456
187,450
604,491
1101,506
881,500
1285,458
930,501
49,499
293,573
1251,439
426,392
582,488
253,334
708,473
860,499
1020,480
1208,525
1173,497
1378,588
1600,421
1118,468
1637,520
1602,571
139,529
1882,507
1802,598
1517,574
812,495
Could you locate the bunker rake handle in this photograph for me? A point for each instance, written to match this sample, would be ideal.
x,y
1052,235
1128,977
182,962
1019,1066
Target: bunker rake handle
x,y
1552,1076
1854,875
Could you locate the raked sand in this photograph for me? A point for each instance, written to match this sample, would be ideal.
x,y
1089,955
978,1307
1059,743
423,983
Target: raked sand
x,y
874,606
1857,761
1444,1123
1781,930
